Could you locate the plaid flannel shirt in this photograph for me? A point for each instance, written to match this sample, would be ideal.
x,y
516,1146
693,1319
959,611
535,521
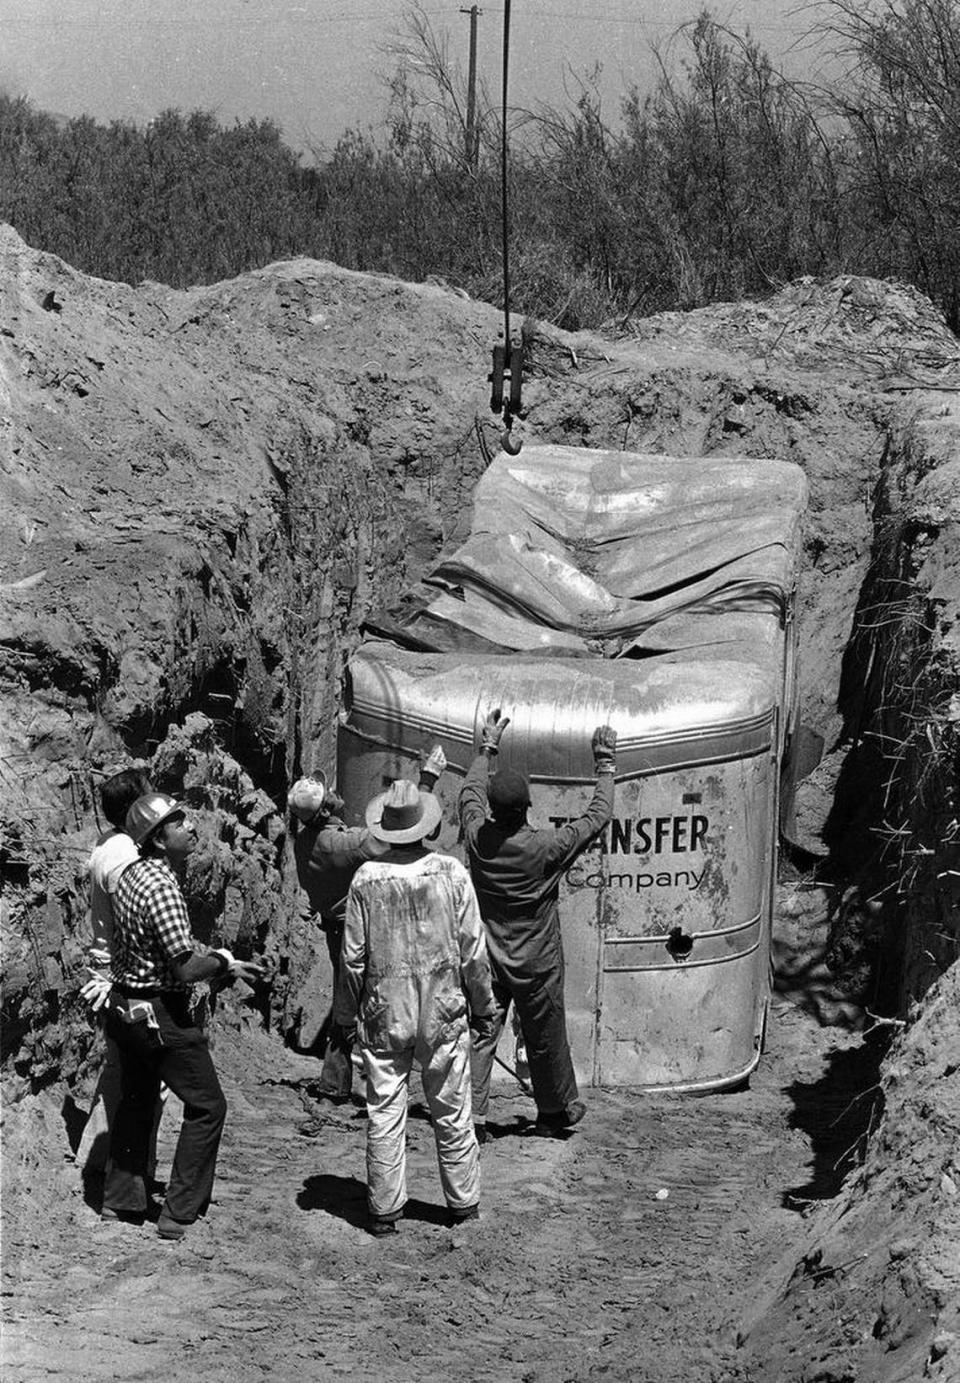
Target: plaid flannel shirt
x,y
151,927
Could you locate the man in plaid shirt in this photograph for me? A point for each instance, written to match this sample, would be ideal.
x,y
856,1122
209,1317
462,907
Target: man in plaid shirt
x,y
155,962
112,853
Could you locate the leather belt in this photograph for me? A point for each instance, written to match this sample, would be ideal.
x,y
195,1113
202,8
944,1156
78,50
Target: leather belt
x,y
128,992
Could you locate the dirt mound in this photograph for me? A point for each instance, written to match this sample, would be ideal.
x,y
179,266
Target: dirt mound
x,y
205,492
873,1292
858,327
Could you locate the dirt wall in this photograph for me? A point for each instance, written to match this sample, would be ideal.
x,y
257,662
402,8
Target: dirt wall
x,y
894,824
871,1294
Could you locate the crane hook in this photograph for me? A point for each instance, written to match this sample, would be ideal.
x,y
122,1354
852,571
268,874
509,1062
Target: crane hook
x,y
510,444
507,369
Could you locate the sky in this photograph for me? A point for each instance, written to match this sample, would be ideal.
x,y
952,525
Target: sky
x,y
316,67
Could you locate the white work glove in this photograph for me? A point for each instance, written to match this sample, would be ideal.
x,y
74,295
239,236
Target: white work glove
x,y
96,990
604,745
249,970
493,728
433,766
436,761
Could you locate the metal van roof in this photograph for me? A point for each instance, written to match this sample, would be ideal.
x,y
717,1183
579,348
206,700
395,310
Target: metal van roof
x,y
667,713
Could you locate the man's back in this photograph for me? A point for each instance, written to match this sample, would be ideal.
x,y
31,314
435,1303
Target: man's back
x,y
327,858
517,873
410,911
109,858
516,870
413,956
412,944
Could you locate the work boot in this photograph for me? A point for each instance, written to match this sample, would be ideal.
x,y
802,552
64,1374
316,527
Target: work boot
x,y
550,1125
379,1226
462,1217
316,1091
168,1227
124,1217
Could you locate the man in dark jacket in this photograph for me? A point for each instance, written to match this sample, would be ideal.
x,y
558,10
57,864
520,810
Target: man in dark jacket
x,y
328,854
516,870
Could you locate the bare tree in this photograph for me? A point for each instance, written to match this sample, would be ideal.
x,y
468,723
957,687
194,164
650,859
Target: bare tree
x,y
428,91
901,100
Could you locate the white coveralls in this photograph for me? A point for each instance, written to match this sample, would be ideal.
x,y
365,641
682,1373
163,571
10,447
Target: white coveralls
x,y
414,953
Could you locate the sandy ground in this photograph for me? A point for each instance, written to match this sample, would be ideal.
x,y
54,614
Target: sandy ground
x,y
628,1250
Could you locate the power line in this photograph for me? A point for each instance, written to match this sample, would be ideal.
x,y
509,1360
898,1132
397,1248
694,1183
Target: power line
x,y
351,17
213,22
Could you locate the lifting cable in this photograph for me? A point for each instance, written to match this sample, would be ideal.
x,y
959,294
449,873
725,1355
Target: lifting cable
x,y
504,206
507,358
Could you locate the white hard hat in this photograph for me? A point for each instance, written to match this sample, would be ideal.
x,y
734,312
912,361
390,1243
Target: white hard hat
x,y
149,812
306,797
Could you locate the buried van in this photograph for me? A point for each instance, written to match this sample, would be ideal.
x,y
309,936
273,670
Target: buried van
x,y
655,594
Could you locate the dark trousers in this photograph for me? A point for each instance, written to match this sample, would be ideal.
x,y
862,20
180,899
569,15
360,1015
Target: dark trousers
x,y
543,1022
178,1055
336,1076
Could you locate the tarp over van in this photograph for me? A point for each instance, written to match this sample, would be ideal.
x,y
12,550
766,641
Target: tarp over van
x,y
603,553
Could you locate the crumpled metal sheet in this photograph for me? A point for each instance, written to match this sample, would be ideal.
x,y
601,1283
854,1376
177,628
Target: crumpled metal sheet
x,y
587,553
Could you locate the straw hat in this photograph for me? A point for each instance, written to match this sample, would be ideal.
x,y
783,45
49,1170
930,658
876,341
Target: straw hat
x,y
403,813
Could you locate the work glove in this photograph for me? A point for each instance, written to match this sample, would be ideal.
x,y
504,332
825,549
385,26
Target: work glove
x,y
96,990
249,970
493,728
604,745
433,766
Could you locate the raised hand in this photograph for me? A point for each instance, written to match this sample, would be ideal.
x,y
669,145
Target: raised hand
x,y
492,731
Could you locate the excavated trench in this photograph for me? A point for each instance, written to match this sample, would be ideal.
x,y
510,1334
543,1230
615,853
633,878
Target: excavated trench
x,y
208,639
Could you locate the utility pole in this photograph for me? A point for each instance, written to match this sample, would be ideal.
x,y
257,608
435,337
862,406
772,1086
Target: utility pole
x,y
470,135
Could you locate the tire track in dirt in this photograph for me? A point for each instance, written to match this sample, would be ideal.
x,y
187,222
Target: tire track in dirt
x,y
575,1271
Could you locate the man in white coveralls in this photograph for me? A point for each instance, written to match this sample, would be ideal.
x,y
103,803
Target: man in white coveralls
x,y
414,967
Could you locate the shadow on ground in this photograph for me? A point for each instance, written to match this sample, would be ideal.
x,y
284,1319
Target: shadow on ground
x,y
346,1199
837,1112
74,1121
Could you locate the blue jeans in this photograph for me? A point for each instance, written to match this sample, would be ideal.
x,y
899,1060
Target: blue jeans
x,y
178,1055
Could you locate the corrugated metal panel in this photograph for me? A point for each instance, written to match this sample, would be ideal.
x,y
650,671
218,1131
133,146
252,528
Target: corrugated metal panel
x,y
667,714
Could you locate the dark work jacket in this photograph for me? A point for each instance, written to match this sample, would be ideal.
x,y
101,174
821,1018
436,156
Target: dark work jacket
x,y
517,874
327,859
